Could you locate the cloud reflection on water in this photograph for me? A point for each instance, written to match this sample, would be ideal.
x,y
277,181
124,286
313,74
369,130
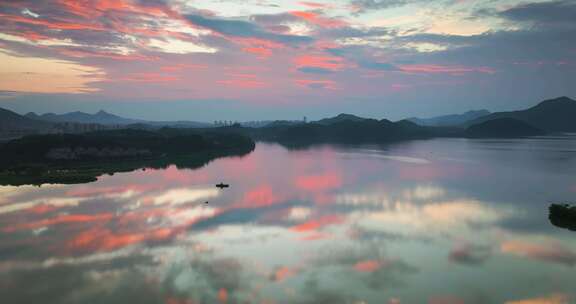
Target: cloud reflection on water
x,y
313,226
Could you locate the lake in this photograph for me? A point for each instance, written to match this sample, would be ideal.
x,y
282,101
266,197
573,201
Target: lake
x,y
438,221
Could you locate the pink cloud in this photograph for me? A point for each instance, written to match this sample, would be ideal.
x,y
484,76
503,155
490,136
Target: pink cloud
x,y
319,20
549,251
283,273
557,298
367,266
52,24
182,66
259,197
314,236
321,182
316,224
222,295
315,4
243,83
262,52
318,61
60,219
150,77
80,53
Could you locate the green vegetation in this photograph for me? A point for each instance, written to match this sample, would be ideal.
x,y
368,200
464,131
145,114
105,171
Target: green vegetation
x,y
82,158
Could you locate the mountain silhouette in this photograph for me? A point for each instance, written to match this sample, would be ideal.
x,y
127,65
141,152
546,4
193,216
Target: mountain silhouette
x,y
13,124
340,118
104,118
555,115
449,120
101,117
503,128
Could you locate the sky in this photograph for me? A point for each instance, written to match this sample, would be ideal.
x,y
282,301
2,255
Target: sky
x,y
260,59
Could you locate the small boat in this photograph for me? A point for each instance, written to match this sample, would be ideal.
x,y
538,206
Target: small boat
x,y
222,185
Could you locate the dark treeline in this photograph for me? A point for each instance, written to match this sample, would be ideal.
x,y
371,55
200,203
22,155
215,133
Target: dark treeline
x,y
77,158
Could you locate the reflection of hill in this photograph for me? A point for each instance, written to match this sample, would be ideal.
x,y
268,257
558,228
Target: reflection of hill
x,y
504,128
563,216
81,158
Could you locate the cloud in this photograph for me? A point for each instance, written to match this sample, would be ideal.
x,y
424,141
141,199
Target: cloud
x,y
36,75
557,298
315,70
362,6
180,47
319,183
317,19
380,66
314,225
468,254
363,57
317,84
245,29
543,13
113,280
549,252
372,267
316,63
260,196
521,44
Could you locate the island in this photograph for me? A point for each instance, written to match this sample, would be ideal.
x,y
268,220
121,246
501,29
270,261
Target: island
x,y
80,158
563,216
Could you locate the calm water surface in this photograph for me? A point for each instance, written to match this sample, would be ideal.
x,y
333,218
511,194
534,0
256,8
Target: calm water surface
x,y
438,221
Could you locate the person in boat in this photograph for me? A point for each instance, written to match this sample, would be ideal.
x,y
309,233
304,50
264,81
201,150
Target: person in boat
x,y
222,185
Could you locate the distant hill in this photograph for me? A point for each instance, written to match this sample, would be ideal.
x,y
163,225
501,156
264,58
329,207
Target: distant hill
x,y
449,120
14,125
555,115
105,118
344,128
503,128
12,120
340,118
102,117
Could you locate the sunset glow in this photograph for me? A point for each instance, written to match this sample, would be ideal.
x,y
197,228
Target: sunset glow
x,y
362,56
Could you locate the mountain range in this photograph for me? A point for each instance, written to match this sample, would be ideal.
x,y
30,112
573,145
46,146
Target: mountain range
x,y
105,118
13,125
12,120
553,115
101,117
